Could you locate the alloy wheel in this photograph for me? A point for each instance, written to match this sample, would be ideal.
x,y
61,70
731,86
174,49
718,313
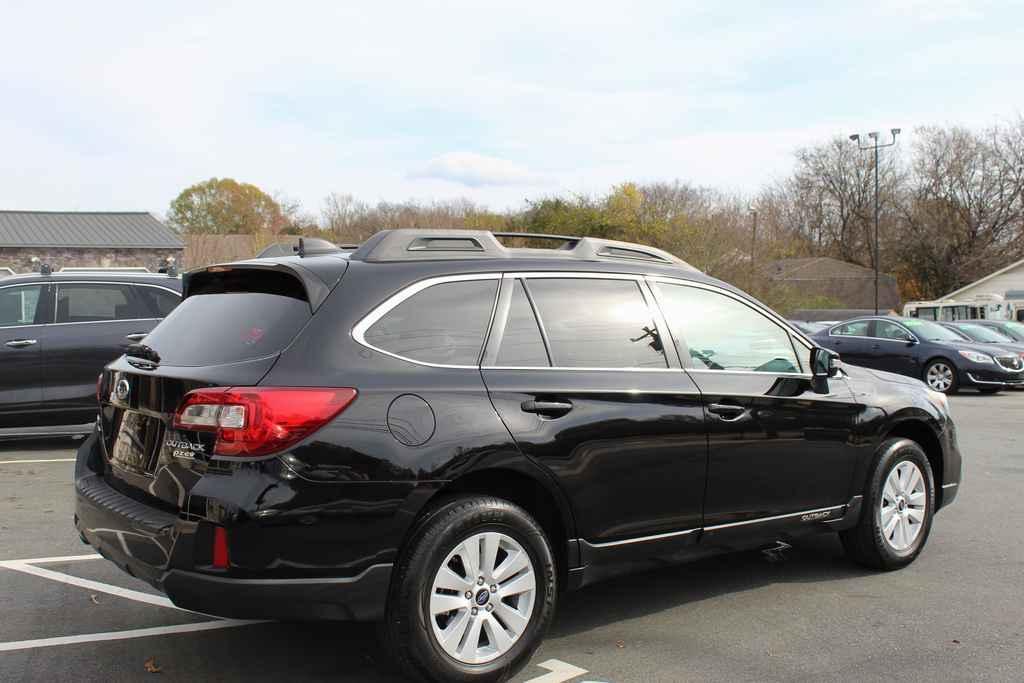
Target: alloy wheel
x,y
940,377
904,506
482,597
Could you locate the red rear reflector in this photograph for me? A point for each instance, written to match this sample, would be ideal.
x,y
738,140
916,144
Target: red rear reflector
x,y
220,547
253,421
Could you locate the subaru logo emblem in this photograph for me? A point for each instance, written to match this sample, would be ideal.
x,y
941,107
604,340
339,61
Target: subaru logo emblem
x,y
121,390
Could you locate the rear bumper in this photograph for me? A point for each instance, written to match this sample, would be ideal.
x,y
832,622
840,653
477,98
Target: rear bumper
x,y
159,548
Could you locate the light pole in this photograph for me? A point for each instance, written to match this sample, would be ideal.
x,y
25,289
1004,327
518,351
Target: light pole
x,y
875,146
753,242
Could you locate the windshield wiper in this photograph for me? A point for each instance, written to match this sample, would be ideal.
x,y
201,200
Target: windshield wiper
x,y
147,353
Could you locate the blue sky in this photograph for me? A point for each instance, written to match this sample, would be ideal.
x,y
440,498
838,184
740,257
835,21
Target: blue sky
x,y
119,106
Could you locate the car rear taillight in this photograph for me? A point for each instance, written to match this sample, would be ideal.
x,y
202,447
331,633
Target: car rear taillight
x,y
253,421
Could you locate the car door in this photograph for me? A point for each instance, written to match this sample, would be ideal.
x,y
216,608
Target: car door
x,y
23,314
778,450
95,321
853,342
894,348
576,368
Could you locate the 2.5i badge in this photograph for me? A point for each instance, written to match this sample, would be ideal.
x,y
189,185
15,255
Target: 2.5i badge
x,y
184,448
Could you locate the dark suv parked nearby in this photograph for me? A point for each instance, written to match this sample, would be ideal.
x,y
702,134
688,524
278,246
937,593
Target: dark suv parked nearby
x,y
441,432
58,330
935,354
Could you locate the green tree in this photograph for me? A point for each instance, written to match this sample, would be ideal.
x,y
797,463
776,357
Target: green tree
x,y
224,206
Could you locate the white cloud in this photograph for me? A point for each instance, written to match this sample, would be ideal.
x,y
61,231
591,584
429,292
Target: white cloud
x,y
477,170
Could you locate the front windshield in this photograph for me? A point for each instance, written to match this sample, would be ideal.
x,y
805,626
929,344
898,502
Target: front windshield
x,y
984,334
930,331
1015,328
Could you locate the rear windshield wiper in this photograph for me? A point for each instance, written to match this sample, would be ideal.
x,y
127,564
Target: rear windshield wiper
x,y
147,353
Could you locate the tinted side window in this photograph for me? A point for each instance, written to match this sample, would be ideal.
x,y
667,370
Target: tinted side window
x,y
521,343
722,333
444,324
158,302
81,303
858,328
597,323
887,330
18,305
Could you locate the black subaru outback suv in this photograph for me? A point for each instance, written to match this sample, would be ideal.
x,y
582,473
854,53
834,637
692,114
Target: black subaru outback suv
x,y
441,432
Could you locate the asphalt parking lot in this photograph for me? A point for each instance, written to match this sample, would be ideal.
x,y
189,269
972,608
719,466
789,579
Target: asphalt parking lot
x,y
956,614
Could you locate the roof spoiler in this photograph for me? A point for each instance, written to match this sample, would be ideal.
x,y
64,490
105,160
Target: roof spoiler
x,y
317,277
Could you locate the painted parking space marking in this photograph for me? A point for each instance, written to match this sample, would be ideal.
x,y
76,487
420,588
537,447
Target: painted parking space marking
x,y
124,635
558,671
58,558
88,584
29,566
28,462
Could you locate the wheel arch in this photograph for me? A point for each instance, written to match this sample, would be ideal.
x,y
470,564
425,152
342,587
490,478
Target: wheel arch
x,y
918,430
528,486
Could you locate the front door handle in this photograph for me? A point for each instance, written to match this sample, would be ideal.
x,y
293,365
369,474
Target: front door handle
x,y
136,336
20,343
727,411
547,408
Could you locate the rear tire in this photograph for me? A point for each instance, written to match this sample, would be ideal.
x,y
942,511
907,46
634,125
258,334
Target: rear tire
x,y
899,505
487,635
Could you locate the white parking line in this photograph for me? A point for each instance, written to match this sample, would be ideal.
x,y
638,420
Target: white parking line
x,y
59,558
124,635
25,462
28,566
88,584
559,672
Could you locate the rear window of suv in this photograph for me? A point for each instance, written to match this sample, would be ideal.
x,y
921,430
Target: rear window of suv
x,y
231,319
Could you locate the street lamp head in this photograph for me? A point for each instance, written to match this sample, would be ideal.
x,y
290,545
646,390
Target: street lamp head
x,y
873,135
855,137
895,132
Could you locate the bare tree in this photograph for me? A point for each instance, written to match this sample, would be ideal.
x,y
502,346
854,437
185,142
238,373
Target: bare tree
x,y
964,211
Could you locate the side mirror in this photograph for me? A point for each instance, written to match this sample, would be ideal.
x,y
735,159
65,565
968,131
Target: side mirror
x,y
912,342
825,363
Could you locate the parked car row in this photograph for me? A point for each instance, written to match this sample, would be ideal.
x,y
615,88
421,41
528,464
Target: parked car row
x,y
986,355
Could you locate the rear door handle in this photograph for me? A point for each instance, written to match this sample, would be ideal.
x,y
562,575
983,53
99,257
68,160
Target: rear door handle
x,y
548,408
136,336
20,343
726,411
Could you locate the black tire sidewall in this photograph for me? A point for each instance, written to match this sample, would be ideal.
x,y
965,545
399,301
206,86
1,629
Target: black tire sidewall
x,y
900,451
441,534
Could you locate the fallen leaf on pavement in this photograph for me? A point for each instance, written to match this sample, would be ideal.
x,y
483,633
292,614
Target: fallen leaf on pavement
x,y
620,644
94,599
150,666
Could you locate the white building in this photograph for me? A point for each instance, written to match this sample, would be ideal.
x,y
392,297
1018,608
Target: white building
x,y
1007,283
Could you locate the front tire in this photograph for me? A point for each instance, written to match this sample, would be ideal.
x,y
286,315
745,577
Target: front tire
x,y
941,375
473,594
899,505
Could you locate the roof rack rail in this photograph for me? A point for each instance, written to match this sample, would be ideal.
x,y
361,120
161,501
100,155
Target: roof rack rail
x,y
539,236
432,244
103,269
